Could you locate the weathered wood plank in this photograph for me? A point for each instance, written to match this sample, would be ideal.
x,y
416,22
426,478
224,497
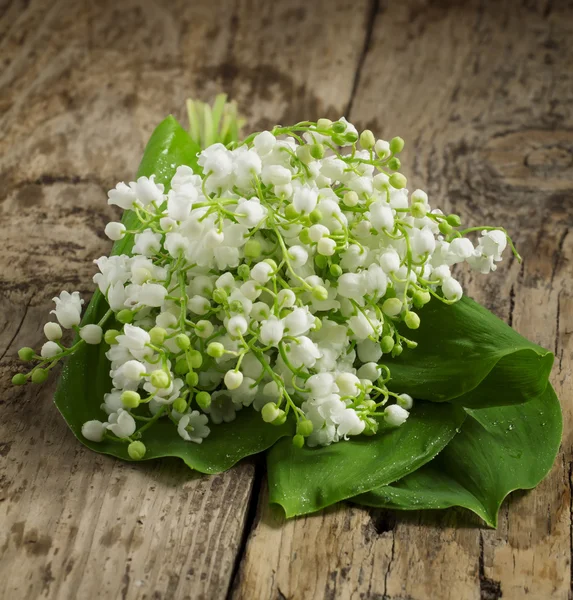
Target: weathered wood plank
x,y
482,94
82,87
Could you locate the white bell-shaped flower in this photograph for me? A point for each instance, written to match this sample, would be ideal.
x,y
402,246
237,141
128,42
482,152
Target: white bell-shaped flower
x,y
121,424
68,309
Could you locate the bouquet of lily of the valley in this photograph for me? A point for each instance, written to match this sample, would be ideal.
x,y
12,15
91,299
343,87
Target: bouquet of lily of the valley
x,y
285,293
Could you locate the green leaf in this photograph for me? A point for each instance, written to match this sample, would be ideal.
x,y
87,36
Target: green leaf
x,y
85,377
463,346
308,479
499,450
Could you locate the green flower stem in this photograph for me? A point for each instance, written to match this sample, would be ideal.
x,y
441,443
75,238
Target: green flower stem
x,y
153,419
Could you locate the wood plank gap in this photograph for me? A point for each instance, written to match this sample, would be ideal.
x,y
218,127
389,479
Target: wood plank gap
x,y
248,526
370,21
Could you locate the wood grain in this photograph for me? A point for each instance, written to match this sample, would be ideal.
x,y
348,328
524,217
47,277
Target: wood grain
x,y
483,94
82,87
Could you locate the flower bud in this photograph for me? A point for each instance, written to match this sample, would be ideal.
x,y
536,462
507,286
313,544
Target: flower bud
x,y
304,427
26,353
370,405
367,139
136,450
350,199
454,220
420,298
419,210
291,212
262,272
243,271
93,431
387,344
233,379
445,228
395,415
237,325
412,320
91,334
396,145
252,249
220,296
397,350
405,401
304,236
320,261
324,123
157,335
115,231
215,349
351,137
394,163
326,246
125,316
110,336
181,366
53,331
317,151
39,375
335,270
281,419
160,379
180,405
419,196
382,148
130,399
236,307
398,181
392,307
298,441
204,329
196,358
203,399
319,293
315,216
19,379
192,379
303,152
339,127
270,412
182,340
50,350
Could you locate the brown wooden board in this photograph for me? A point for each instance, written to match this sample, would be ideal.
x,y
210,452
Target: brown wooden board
x,y
482,92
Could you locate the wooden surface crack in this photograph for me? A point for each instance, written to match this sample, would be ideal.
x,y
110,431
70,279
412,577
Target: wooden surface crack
x,y
248,525
371,15
489,588
389,567
26,308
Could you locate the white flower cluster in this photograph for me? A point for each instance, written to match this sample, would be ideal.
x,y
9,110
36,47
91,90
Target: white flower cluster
x,y
277,278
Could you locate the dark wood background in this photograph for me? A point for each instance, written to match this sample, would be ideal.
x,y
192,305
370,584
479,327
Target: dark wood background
x,y
483,94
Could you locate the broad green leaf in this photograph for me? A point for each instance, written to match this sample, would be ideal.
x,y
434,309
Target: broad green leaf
x,y
85,377
463,346
499,450
308,479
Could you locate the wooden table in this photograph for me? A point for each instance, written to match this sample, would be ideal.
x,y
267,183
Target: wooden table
x,y
483,94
